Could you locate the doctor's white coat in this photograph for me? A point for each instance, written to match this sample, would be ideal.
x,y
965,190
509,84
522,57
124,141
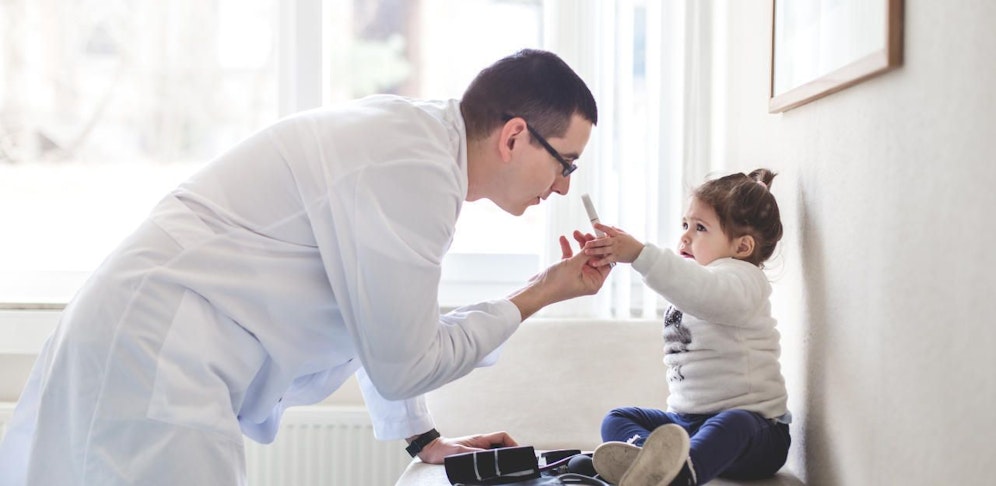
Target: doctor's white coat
x,y
308,252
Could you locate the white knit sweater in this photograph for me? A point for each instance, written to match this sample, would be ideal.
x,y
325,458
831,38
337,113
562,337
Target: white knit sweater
x,y
720,342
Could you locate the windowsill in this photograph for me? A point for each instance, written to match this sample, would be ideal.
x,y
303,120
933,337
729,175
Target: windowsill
x,y
466,278
29,306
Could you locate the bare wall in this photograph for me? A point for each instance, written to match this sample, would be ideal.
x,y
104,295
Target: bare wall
x,y
886,282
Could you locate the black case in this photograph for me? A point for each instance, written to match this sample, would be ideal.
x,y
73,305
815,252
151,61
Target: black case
x,y
493,466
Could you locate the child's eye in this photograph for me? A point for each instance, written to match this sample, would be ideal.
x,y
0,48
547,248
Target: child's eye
x,y
684,225
699,227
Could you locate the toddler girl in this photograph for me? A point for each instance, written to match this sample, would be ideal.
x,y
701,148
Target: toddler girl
x,y
726,410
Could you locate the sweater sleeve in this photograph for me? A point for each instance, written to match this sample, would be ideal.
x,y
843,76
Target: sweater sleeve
x,y
727,291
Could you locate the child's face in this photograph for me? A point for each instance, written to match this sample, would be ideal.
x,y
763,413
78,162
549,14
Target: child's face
x,y
702,239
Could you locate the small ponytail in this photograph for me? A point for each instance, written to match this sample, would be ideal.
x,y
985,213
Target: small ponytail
x,y
763,177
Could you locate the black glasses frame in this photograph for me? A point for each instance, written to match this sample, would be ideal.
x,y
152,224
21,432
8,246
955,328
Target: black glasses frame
x,y
569,166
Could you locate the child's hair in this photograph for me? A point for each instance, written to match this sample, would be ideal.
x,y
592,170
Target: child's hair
x,y
745,206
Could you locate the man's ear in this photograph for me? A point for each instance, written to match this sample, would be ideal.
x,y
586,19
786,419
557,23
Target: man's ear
x,y
508,134
744,247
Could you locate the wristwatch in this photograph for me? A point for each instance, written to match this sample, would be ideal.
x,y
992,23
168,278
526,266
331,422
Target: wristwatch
x,y
421,441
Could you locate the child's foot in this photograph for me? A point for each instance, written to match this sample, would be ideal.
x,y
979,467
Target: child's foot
x,y
660,460
612,459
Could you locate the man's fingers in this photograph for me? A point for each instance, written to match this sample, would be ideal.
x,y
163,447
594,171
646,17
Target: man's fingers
x,y
565,248
499,439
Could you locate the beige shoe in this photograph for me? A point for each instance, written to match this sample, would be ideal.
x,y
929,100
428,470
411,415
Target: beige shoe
x,y
661,458
612,459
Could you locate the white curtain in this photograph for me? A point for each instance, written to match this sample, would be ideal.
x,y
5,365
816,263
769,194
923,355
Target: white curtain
x,y
645,61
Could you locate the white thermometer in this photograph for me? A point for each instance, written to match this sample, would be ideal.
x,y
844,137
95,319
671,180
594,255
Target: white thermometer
x,y
592,215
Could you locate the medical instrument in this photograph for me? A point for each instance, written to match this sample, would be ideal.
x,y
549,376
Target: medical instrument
x,y
592,215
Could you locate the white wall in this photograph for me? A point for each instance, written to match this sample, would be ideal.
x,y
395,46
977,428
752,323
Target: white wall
x,y
886,283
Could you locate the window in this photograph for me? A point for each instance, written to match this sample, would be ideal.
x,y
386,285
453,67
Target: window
x,y
105,107
433,49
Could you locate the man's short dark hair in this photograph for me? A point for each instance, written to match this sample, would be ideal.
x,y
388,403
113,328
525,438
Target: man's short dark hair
x,y
536,85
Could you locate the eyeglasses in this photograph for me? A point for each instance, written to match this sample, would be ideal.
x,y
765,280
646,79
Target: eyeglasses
x,y
569,166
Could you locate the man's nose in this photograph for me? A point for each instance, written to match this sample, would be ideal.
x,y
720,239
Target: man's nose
x,y
562,185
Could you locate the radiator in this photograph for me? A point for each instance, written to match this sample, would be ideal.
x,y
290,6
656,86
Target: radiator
x,y
326,446
316,446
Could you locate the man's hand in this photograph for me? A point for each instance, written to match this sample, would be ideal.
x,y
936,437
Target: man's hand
x,y
437,450
573,276
589,277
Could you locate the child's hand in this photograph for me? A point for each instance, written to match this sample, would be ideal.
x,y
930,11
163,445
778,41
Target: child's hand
x,y
615,246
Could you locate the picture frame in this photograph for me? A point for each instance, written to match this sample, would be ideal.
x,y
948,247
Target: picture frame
x,y
819,47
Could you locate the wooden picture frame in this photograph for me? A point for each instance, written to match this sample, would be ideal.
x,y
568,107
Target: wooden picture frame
x,y
819,47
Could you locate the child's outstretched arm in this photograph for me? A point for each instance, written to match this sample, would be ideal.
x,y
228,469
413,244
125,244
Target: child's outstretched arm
x,y
616,246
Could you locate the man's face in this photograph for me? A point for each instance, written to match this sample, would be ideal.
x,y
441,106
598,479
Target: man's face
x,y
534,173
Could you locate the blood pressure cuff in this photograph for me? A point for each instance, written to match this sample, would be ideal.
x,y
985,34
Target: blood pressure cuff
x,y
493,466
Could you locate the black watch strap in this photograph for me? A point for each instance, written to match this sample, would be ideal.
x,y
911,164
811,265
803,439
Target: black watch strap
x,y
421,441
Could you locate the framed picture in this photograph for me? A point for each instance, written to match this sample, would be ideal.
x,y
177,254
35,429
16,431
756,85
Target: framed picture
x,y
819,47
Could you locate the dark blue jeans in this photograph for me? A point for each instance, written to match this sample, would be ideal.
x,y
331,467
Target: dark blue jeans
x,y
734,444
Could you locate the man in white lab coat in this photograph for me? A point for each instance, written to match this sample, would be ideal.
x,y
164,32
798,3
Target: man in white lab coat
x,y
307,253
